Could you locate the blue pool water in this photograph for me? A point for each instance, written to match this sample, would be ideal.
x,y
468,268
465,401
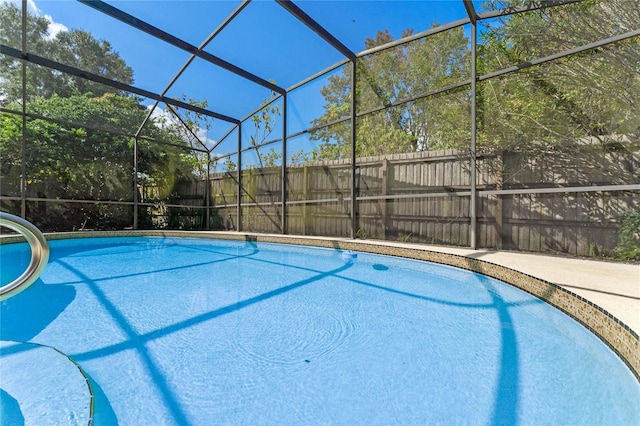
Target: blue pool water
x,y
197,331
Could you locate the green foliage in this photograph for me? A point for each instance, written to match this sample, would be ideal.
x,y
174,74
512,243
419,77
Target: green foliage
x,y
556,105
392,75
405,238
559,105
271,158
298,157
362,234
82,150
263,125
230,165
72,160
82,161
190,128
76,48
629,237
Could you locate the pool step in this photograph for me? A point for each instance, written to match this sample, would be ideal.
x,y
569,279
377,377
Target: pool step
x,y
41,385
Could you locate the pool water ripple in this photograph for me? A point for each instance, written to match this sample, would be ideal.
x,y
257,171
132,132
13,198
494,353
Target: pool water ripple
x,y
310,338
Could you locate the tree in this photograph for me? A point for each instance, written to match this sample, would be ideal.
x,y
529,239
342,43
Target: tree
x,y
83,149
394,75
594,95
76,48
263,126
83,162
264,123
191,127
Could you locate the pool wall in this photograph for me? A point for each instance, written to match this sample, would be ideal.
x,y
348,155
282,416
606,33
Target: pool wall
x,y
617,335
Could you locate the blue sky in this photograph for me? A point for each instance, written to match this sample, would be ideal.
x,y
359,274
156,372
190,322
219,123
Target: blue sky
x,y
264,39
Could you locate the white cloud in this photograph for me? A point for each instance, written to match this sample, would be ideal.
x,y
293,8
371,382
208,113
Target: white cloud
x,y
54,27
163,119
32,6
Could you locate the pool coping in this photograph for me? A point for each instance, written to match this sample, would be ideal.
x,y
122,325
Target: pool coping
x,y
624,341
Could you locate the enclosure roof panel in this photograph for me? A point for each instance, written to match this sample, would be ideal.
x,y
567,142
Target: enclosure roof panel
x,y
189,20
224,91
152,61
353,22
268,41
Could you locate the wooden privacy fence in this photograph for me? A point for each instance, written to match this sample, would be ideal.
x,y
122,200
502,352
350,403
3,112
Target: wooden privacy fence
x,y
425,197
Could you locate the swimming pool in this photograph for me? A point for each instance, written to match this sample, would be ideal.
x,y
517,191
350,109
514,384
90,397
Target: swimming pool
x,y
200,331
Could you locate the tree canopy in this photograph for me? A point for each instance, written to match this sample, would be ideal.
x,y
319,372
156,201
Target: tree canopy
x,y
390,76
76,48
83,161
79,134
592,94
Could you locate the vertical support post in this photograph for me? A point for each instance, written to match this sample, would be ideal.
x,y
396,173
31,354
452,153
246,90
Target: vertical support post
x,y
386,182
23,148
207,193
472,151
239,201
283,184
305,197
135,183
354,202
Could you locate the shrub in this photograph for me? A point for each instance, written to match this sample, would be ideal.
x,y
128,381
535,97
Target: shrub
x,y
629,237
